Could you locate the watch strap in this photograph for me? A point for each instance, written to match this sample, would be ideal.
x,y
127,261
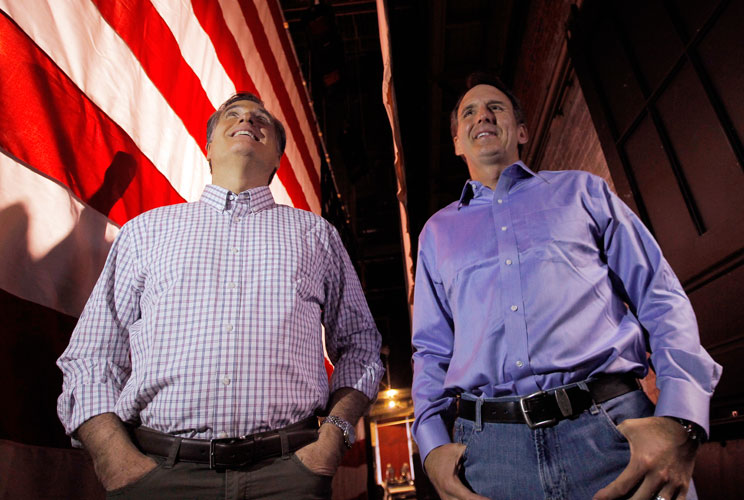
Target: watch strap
x,y
346,428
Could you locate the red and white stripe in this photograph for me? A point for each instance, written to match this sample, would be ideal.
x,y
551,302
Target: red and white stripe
x,y
125,87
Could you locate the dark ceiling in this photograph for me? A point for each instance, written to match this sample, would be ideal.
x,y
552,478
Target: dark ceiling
x,y
435,44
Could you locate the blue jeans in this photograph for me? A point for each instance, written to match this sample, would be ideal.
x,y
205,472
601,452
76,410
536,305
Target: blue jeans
x,y
571,460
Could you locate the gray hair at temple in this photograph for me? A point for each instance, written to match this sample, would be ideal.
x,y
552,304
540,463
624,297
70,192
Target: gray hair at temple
x,y
281,135
482,78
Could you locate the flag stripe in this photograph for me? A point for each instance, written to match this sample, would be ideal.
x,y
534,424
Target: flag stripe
x,y
144,31
196,49
273,21
228,52
47,123
250,15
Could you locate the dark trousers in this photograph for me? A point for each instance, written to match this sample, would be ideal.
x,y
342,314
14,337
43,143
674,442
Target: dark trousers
x,y
275,478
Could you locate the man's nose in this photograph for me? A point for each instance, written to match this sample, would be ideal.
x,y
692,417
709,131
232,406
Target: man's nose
x,y
486,115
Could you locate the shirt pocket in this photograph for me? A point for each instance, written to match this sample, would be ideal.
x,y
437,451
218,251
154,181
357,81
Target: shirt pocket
x,y
562,234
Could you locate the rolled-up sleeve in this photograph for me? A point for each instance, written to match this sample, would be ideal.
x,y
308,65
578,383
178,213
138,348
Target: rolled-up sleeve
x,y
96,364
352,339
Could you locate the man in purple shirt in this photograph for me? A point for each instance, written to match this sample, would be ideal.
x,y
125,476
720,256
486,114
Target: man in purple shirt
x,y
537,297
203,335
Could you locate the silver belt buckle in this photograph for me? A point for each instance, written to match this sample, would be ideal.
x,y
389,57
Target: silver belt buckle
x,y
525,412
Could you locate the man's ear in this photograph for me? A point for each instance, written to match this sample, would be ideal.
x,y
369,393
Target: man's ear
x,y
209,153
522,134
458,148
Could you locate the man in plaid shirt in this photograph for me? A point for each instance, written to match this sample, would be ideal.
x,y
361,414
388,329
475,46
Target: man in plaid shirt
x,y
197,365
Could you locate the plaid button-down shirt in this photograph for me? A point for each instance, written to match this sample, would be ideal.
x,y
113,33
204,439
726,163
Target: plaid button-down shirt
x,y
206,321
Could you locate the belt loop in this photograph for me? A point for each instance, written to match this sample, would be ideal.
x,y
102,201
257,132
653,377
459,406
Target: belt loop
x,y
478,418
594,409
285,444
172,453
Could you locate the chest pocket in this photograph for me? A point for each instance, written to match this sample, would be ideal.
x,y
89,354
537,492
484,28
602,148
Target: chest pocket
x,y
558,233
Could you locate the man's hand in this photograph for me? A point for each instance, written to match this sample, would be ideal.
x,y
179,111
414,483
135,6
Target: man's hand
x,y
116,460
123,470
323,456
442,466
661,460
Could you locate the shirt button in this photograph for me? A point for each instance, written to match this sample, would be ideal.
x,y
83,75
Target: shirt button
x,y
519,364
503,228
499,201
222,435
236,219
234,249
231,285
508,262
229,327
513,308
225,380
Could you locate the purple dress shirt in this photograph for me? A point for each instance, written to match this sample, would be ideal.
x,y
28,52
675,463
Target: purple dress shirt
x,y
524,288
206,321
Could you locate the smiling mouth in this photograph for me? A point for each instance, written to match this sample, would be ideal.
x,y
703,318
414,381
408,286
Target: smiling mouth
x,y
246,132
485,134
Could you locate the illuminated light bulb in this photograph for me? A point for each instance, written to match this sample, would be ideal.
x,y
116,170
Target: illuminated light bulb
x,y
391,393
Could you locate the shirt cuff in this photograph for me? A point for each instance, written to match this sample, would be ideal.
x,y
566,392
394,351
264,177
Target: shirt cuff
x,y
83,403
682,399
430,434
364,377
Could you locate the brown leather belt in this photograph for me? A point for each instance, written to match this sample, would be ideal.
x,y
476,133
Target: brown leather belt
x,y
546,408
228,453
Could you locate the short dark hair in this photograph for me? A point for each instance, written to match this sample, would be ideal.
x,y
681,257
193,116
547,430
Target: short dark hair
x,y
281,135
483,78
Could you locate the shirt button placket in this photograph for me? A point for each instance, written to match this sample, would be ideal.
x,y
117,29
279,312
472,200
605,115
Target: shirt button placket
x,y
514,322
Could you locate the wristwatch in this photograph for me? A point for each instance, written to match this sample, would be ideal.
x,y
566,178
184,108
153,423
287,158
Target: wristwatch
x,y
694,431
346,428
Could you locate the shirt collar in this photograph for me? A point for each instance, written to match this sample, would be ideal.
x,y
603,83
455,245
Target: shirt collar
x,y
514,173
255,199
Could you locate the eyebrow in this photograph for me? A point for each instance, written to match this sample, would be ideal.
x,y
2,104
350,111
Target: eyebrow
x,y
259,111
488,103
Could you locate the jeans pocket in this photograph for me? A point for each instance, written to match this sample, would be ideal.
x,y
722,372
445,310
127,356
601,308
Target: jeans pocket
x,y
633,404
612,425
463,434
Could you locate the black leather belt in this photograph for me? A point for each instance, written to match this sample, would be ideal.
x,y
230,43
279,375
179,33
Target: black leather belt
x,y
546,408
228,453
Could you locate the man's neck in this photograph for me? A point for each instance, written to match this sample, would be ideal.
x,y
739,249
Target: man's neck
x,y
487,175
239,179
